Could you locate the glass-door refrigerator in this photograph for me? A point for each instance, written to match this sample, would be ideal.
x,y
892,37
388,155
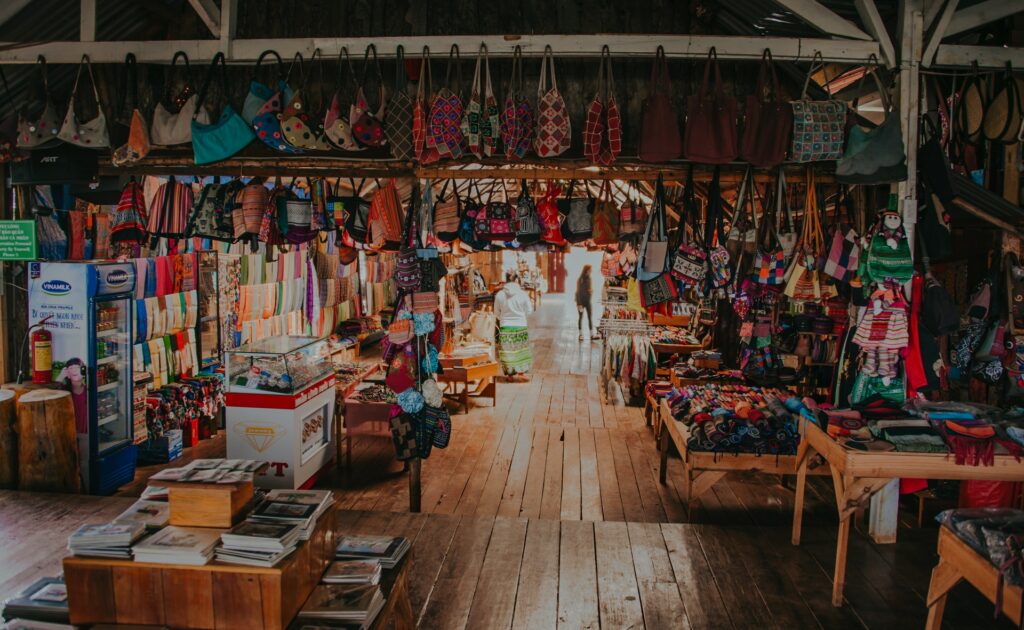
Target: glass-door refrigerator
x,y
90,306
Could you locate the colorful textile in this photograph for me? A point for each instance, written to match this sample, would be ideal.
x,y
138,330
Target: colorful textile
x,y
514,350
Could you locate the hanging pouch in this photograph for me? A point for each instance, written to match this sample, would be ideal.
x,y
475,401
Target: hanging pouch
x,y
480,125
337,126
554,132
444,131
225,137
367,128
302,118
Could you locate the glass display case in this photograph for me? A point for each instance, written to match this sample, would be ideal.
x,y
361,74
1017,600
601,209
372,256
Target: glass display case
x,y
209,334
278,365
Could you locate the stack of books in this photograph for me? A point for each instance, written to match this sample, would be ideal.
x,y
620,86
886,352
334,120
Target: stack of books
x,y
352,572
45,600
110,540
385,549
295,507
257,544
344,603
178,545
211,471
151,514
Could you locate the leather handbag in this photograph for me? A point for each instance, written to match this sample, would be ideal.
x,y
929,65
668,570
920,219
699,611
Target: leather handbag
x,y
225,137
527,222
517,115
337,124
302,118
606,217
38,123
480,125
173,115
554,130
659,131
769,120
578,225
398,119
710,136
876,156
136,145
90,134
267,121
367,125
446,213
602,131
818,126
444,123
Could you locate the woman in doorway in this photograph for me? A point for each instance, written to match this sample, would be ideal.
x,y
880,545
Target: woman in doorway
x,y
511,307
584,294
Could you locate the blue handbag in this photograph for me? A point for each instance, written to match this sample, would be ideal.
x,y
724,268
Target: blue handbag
x,y
225,137
267,122
259,93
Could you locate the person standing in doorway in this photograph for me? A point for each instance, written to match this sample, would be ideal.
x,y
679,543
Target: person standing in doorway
x,y
584,295
511,307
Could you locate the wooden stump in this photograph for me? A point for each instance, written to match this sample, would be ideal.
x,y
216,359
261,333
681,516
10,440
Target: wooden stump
x,y
8,441
47,442
20,389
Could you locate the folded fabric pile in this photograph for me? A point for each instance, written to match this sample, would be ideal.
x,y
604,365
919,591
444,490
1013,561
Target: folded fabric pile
x,y
995,533
735,419
658,389
673,335
912,435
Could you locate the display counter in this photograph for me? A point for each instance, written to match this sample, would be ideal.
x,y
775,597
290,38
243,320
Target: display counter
x,y
280,407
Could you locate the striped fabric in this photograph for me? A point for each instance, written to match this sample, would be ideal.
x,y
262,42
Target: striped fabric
x,y
169,211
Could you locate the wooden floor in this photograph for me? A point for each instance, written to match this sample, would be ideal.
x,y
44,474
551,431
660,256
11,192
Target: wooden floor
x,y
546,512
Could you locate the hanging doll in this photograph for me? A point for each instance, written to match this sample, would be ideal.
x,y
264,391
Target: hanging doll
x,y
883,332
888,251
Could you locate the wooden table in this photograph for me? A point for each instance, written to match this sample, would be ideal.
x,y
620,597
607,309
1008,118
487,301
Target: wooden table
x,y
703,469
342,393
394,584
670,350
483,375
857,475
957,561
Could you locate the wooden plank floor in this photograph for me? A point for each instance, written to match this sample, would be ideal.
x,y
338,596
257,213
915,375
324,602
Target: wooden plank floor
x,y
546,512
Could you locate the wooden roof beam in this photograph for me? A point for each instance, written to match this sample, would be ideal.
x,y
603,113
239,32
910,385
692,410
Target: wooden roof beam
x,y
873,22
982,13
955,55
209,13
941,27
10,8
824,19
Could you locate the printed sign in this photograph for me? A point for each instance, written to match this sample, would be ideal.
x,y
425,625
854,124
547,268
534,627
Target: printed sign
x,y
18,240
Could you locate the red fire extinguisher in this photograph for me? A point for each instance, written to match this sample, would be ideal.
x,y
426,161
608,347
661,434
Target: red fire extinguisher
x,y
41,353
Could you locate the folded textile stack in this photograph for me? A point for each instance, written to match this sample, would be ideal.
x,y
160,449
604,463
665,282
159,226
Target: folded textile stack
x,y
913,435
673,335
736,418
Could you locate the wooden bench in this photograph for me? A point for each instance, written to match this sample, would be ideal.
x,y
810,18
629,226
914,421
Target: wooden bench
x,y
957,561
483,375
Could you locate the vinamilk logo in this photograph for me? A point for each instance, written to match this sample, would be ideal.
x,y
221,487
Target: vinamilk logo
x,y
117,278
56,287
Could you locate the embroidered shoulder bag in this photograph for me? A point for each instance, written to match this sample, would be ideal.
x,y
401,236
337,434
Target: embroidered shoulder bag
x,y
602,132
527,222
444,131
547,212
652,260
480,126
172,118
720,267
446,213
399,116
302,120
211,217
517,116
337,126
689,265
367,128
844,250
657,288
554,131
818,126
424,152
267,121
579,216
770,260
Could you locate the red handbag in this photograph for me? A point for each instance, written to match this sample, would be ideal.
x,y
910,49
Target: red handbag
x,y
769,121
547,211
711,121
421,111
444,129
602,132
659,132
554,131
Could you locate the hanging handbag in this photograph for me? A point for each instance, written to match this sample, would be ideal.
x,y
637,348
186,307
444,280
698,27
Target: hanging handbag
x,y
407,263
38,122
494,221
421,113
367,128
446,213
302,119
267,121
444,130
527,221
742,236
259,92
136,145
606,217
337,124
656,288
386,217
172,118
971,104
249,209
210,217
578,225
554,131
129,221
517,115
769,120
602,131
547,213
169,211
653,256
787,235
225,137
888,255
818,126
1002,122
803,283
659,131
471,210
480,125
689,265
632,213
357,214
770,260
439,422
876,156
295,216
398,120
844,251
710,136
720,266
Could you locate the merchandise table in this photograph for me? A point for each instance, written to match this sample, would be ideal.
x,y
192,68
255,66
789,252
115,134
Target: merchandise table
x,y
669,350
703,469
957,561
394,584
857,475
483,374
345,428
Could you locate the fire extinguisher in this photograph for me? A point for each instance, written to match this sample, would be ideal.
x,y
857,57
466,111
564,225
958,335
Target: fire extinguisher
x,y
41,353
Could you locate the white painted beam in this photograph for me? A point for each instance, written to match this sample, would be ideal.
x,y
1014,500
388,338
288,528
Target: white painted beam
x,y
248,50
209,14
931,11
941,26
822,18
10,8
873,22
228,25
87,21
952,55
982,13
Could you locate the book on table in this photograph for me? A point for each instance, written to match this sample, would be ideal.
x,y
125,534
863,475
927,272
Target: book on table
x,y
46,599
178,545
344,602
151,514
107,540
387,550
352,572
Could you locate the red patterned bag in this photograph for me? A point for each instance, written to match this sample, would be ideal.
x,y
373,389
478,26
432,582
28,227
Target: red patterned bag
x,y
606,217
602,132
444,130
554,132
517,116
547,211
421,111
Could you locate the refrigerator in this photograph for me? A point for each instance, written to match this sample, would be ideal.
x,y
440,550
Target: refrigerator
x,y
90,305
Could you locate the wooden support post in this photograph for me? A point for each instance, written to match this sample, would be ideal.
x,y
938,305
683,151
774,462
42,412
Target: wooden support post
x,y
944,577
414,484
663,447
802,458
883,520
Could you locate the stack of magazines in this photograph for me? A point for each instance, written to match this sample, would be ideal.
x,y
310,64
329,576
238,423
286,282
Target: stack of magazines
x,y
45,600
110,540
352,572
150,514
344,603
385,549
294,507
178,545
257,544
211,471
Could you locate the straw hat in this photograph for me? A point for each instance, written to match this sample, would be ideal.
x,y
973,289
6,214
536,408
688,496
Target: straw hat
x,y
972,109
1003,116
